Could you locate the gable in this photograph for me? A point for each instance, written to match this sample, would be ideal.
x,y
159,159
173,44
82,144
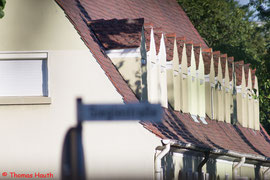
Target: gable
x,y
37,25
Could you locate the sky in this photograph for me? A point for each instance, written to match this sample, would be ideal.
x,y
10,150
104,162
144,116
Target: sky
x,y
243,1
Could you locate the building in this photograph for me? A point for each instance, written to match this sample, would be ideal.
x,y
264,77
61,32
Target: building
x,y
119,52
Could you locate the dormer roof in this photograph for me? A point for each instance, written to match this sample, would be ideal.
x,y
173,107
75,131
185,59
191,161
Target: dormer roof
x,y
118,33
238,72
246,69
223,59
180,45
169,43
197,50
216,56
157,36
189,45
230,66
253,74
207,56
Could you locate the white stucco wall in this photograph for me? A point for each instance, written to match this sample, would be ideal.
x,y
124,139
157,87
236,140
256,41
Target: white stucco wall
x,y
32,135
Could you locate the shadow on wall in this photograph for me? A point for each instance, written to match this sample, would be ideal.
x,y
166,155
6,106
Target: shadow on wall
x,y
188,167
168,166
137,86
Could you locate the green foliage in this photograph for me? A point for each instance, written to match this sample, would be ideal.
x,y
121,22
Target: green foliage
x,y
2,6
263,15
228,27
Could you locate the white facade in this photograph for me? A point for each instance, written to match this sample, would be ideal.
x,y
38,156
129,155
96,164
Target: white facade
x,y
32,135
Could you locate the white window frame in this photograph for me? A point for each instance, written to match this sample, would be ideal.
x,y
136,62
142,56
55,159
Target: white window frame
x,y
27,100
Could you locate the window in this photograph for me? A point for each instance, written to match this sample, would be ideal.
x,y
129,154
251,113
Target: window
x,y
23,75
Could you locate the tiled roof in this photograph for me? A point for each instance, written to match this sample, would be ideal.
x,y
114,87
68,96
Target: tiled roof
x,y
176,125
215,135
166,14
118,34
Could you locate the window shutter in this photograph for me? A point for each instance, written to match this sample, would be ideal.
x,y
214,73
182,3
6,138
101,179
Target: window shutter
x,y
23,78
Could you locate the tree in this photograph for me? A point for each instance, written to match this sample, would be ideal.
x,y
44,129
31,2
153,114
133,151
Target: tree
x,y
262,8
2,6
228,27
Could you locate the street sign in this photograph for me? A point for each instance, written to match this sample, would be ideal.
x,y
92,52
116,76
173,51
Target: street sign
x,y
119,112
73,167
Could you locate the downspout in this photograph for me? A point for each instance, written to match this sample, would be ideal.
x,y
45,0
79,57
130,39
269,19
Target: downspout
x,y
158,168
265,172
243,159
204,161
